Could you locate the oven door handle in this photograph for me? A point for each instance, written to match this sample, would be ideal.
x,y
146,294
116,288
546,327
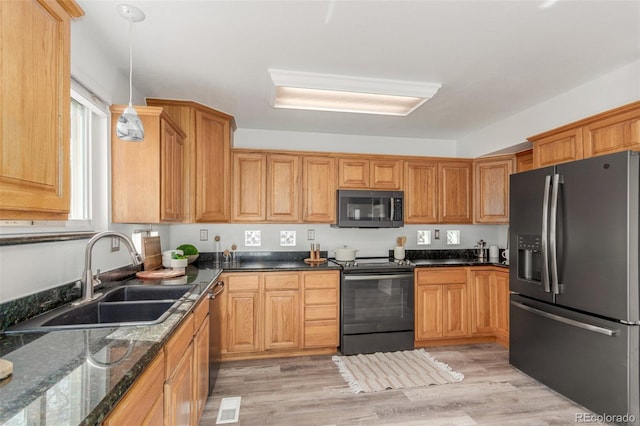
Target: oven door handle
x,y
376,277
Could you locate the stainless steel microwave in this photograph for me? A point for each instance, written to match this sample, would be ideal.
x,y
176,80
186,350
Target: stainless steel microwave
x,y
369,209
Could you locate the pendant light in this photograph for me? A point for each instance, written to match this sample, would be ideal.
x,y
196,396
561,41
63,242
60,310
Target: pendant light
x,y
129,127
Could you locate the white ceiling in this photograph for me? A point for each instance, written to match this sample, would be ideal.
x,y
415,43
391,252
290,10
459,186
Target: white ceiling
x,y
493,58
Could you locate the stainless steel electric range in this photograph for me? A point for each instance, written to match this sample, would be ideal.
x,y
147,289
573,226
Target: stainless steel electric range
x,y
376,306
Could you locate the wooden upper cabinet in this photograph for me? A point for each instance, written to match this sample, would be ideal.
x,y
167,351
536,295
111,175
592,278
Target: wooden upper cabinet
x,y
147,177
265,187
283,188
249,183
605,133
491,189
454,192
318,189
524,160
420,192
35,108
366,173
557,148
209,134
353,173
618,132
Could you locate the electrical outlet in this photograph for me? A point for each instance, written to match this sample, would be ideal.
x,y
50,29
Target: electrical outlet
x,y
204,235
311,234
115,244
436,234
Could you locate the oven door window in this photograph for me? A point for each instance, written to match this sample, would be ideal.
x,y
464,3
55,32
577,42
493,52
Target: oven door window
x,y
377,303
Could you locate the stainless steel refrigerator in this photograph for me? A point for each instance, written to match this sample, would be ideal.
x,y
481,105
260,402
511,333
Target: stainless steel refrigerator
x,y
574,309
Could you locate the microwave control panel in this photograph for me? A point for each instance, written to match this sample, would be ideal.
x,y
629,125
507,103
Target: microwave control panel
x,y
397,209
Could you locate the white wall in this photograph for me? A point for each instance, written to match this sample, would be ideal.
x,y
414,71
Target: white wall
x,y
327,142
617,88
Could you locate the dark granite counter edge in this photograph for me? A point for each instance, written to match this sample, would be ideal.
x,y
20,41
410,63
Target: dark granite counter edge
x,y
109,402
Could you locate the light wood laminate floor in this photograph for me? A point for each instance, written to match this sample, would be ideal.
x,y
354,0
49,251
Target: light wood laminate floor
x,y
310,391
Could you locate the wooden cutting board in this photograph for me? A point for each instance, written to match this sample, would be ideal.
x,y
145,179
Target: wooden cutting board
x,y
160,274
152,253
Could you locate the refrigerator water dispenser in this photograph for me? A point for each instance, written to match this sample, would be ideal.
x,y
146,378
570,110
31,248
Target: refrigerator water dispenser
x,y
530,257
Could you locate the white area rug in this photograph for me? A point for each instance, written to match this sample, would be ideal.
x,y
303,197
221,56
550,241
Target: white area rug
x,y
394,370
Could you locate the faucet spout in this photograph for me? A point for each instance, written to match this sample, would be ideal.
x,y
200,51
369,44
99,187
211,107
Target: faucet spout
x,y
87,281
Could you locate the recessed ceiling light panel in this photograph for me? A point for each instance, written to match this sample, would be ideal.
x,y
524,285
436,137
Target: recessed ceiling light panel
x,y
329,92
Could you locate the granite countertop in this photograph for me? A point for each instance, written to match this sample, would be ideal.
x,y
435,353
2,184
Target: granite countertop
x,y
430,263
77,376
267,261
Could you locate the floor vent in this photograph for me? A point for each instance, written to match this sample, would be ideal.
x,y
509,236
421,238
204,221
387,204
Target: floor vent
x,y
229,410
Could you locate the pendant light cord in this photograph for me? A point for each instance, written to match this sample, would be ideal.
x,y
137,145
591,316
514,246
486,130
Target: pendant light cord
x,y
130,63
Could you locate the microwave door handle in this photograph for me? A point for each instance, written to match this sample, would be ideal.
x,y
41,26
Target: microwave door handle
x,y
391,210
545,233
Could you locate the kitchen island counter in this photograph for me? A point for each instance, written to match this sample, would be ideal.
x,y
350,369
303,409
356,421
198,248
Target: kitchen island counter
x,y
78,376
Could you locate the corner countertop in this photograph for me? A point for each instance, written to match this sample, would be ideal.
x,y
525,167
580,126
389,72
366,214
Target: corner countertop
x,y
77,376
434,263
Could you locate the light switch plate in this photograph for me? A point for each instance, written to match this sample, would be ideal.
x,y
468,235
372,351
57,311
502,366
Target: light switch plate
x,y
453,237
252,239
204,235
424,238
288,238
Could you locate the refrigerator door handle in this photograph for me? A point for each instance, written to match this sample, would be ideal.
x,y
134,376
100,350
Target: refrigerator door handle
x,y
569,321
553,243
545,234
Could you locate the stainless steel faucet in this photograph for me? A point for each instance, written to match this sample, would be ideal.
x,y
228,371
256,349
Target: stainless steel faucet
x,y
87,282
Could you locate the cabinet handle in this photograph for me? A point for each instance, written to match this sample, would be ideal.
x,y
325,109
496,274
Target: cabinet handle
x,y
213,294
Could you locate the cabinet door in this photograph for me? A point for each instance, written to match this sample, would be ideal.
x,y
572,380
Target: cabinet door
x,y
502,307
612,134
283,187
212,159
483,308
491,190
429,311
244,311
282,319
178,390
557,148
455,190
201,367
171,174
143,403
353,173
421,192
249,187
524,161
456,310
34,110
319,189
386,174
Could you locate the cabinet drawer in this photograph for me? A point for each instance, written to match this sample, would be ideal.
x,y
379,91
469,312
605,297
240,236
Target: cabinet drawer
x,y
321,296
441,276
176,346
320,280
320,334
321,312
243,282
288,281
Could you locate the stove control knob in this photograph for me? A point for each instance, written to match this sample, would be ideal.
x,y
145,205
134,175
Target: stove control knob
x,y
355,263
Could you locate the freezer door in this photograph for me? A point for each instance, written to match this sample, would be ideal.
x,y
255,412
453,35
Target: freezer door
x,y
526,203
597,236
589,360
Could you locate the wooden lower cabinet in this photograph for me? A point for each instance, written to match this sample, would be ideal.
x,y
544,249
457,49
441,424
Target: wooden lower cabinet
x,y
279,312
174,388
461,305
143,403
441,303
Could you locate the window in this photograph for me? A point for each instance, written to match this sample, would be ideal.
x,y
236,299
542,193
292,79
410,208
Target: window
x,y
80,165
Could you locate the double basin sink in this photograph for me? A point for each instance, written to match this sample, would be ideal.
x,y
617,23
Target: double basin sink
x,y
125,305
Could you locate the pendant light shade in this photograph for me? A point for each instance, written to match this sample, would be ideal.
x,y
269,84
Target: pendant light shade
x,y
129,127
